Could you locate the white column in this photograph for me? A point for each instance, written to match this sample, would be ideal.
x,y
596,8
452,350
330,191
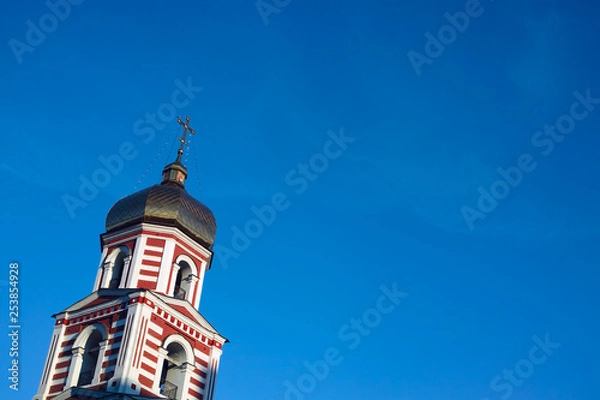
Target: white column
x,y
213,368
194,288
136,260
186,370
51,359
100,269
201,273
75,368
125,373
162,355
171,287
125,271
98,370
165,266
108,272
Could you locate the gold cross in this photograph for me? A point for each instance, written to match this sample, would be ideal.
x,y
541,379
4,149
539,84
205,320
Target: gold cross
x,y
186,128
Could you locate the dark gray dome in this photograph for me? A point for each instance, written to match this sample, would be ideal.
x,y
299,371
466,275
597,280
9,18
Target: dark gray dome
x,y
165,204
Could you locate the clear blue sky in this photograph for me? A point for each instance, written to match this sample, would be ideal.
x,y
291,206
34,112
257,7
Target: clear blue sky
x,y
390,209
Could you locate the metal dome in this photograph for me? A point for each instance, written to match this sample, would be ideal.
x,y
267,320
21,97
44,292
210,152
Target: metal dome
x,y
165,204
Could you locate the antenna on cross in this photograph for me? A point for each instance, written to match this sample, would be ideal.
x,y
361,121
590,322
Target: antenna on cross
x,y
186,128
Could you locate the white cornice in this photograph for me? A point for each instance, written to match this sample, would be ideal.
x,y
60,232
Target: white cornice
x,y
159,229
165,302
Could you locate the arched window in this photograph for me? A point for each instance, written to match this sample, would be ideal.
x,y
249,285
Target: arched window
x,y
86,361
118,269
183,281
90,358
173,371
114,267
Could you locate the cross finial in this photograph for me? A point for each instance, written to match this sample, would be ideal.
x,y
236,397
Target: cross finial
x,y
186,128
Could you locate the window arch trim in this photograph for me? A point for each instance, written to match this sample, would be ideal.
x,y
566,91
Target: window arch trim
x,y
78,354
189,261
110,266
187,347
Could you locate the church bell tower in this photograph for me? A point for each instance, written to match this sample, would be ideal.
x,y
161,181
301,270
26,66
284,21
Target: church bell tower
x,y
139,334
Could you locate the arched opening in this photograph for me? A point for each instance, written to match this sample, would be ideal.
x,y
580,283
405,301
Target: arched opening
x,y
118,268
172,375
91,351
183,281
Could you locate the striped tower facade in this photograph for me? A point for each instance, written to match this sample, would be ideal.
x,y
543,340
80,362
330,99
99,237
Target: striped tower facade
x,y
137,328
139,334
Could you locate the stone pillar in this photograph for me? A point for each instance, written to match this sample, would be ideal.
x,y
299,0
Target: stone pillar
x,y
98,370
125,271
162,356
171,288
193,289
108,272
75,368
186,370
